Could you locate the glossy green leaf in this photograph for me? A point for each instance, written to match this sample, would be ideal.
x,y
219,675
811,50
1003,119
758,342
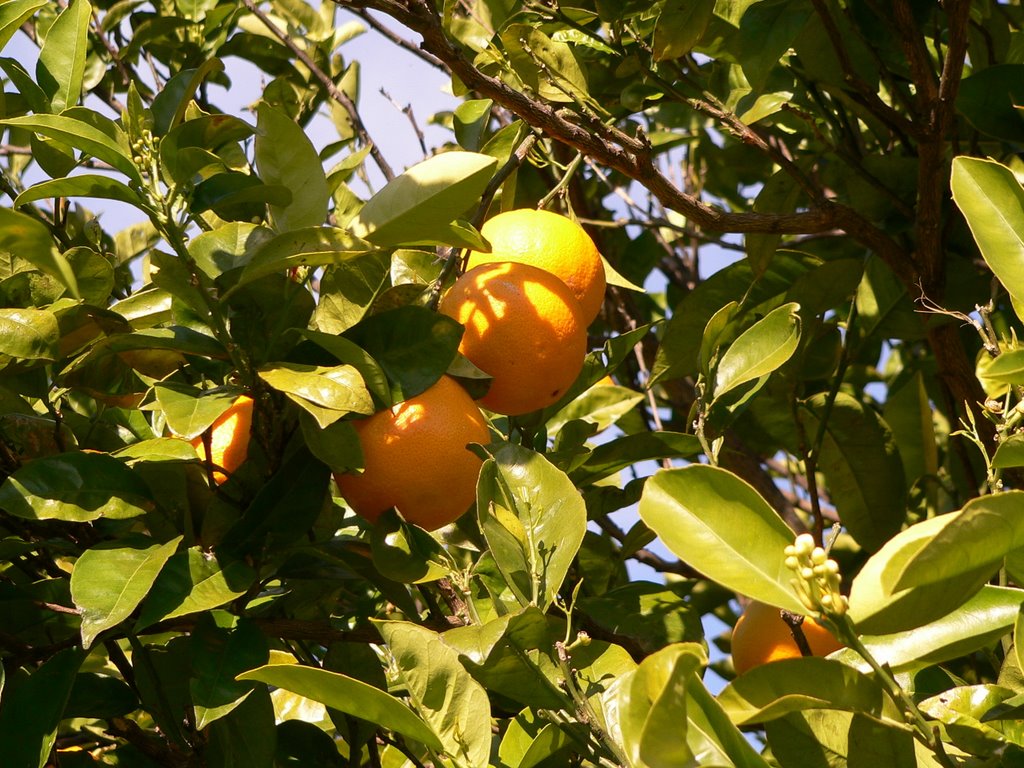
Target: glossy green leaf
x,y
653,615
346,694
188,411
992,200
977,539
336,445
172,100
13,14
652,706
61,66
75,487
759,350
29,334
413,346
418,205
977,623
348,289
529,740
218,655
513,655
533,519
84,185
194,581
407,553
31,240
285,156
313,246
712,737
1009,453
454,705
326,392
245,737
105,144
547,67
789,685
1008,368
908,413
33,708
608,458
111,579
862,468
964,711
877,606
720,525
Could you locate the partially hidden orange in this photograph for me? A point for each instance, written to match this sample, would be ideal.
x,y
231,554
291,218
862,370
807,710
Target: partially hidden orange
x,y
761,636
524,328
551,242
229,439
416,459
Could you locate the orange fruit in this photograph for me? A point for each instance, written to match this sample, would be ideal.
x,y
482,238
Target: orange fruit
x,y
761,636
229,439
415,458
551,242
523,328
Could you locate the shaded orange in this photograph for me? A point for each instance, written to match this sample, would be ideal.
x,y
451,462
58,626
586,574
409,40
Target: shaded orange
x,y
415,458
761,636
551,242
523,328
229,439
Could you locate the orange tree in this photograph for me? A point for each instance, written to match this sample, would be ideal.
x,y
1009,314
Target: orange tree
x,y
829,425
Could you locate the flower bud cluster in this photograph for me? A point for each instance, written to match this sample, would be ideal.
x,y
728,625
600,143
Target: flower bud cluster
x,y
817,577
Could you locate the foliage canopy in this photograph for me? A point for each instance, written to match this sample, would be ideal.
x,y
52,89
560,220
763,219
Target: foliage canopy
x,y
830,424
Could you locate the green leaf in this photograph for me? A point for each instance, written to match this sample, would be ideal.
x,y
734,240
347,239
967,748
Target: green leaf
x,y
30,239
189,411
908,413
172,101
34,707
862,468
314,246
13,14
720,525
218,655
348,289
109,146
529,740
1008,368
652,706
413,345
97,695
976,539
990,98
992,200
533,519
759,350
112,578
546,67
194,581
790,685
326,392
979,622
417,206
407,553
75,487
877,606
286,157
245,737
653,615
91,185
680,25
29,334
61,66
348,695
608,458
512,656
1009,453
454,705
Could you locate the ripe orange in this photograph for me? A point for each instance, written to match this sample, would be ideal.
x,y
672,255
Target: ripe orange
x,y
761,635
415,457
551,242
524,329
229,439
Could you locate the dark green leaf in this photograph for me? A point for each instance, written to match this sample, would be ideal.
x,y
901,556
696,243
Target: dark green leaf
x,y
407,553
218,655
245,737
680,25
76,487
29,239
608,458
100,696
990,97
